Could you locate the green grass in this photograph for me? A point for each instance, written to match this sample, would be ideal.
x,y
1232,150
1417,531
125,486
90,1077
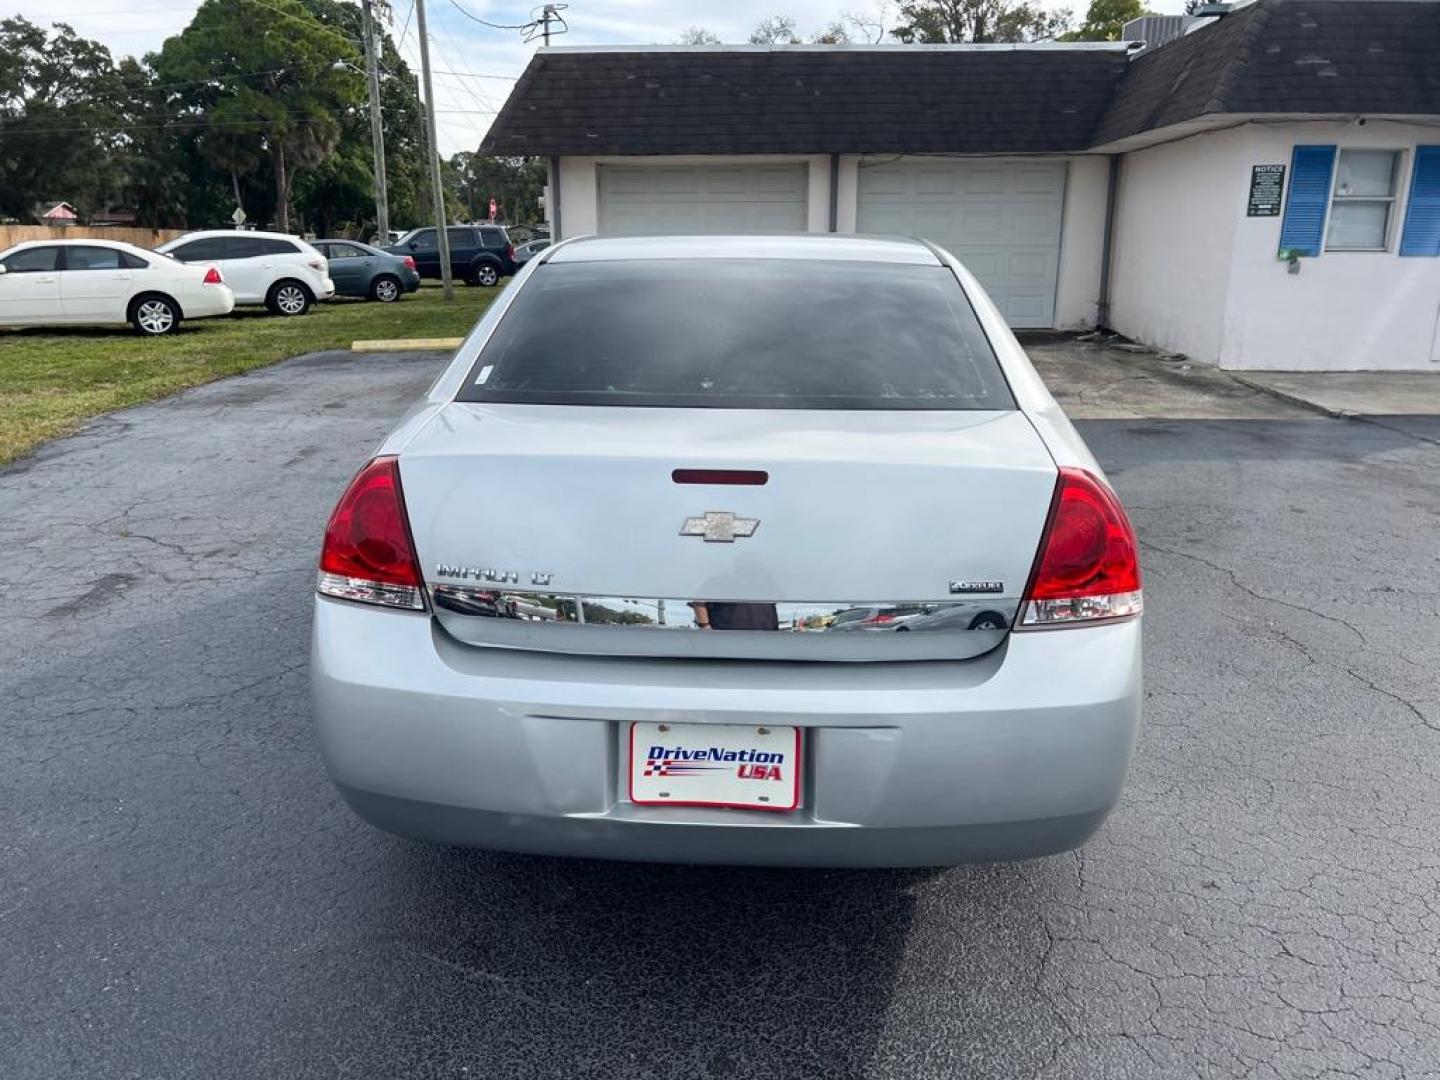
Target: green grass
x,y
52,379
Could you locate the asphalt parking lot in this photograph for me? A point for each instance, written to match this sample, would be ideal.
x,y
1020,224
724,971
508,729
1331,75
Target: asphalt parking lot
x,y
182,894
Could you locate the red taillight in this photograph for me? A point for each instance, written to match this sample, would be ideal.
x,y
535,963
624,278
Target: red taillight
x,y
1089,564
410,262
510,252
368,554
212,277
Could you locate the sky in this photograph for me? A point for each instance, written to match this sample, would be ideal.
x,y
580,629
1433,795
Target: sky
x,y
475,65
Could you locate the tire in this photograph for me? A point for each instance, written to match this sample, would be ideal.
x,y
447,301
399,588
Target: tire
x,y
486,275
154,315
386,289
288,298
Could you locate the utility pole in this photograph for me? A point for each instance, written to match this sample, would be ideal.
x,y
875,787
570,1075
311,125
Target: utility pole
x,y
550,13
377,132
442,239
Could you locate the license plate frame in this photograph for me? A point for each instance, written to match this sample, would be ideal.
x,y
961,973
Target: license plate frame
x,y
707,781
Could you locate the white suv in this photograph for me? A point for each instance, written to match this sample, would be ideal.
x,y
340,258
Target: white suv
x,y
282,272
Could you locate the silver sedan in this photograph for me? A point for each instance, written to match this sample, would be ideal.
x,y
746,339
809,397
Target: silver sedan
x,y
562,609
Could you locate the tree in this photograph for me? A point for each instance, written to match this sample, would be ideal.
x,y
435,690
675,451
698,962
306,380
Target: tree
x,y
835,34
698,35
775,30
59,116
287,80
868,27
938,22
515,183
1104,20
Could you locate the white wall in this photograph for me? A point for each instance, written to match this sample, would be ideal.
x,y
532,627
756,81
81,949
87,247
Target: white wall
x,y
1175,218
1345,310
1194,274
1082,242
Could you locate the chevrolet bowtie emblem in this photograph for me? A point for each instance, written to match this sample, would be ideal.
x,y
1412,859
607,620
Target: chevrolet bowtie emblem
x,y
719,527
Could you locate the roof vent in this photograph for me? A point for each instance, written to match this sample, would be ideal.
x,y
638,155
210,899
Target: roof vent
x,y
1152,30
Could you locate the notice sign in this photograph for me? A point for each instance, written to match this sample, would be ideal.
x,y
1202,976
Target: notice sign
x,y
1267,184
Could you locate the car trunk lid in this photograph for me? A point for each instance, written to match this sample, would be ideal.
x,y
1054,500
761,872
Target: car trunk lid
x,y
512,506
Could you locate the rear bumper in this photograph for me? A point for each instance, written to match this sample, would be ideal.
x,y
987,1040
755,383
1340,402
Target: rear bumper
x,y
214,300
1016,754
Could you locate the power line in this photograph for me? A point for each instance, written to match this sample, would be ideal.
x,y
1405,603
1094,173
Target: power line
x,y
200,121
486,22
211,79
473,91
400,41
474,75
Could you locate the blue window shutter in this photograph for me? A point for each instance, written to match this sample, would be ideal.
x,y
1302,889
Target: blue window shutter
x,y
1303,229
1422,216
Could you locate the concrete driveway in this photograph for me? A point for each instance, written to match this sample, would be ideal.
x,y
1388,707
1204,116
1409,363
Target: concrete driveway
x,y
183,895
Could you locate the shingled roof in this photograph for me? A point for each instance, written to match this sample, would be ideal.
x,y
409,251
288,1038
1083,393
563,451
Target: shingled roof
x,y
1275,56
799,100
1287,56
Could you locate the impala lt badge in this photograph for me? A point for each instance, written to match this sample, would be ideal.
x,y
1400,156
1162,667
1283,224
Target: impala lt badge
x,y
957,587
477,573
719,527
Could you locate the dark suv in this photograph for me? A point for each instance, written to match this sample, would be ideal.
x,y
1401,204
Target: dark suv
x,y
479,254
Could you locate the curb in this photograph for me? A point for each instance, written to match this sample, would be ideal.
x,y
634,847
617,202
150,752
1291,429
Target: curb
x,y
406,344
1294,399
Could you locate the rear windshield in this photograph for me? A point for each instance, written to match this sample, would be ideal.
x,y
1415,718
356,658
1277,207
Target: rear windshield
x,y
757,334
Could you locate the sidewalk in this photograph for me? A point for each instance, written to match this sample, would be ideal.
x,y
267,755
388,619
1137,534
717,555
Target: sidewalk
x,y
1111,379
1096,380
1353,393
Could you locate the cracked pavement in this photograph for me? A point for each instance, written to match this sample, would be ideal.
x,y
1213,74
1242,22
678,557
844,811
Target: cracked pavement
x,y
182,893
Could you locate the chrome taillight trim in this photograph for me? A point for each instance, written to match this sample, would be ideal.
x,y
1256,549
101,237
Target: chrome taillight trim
x,y
572,611
1080,610
364,591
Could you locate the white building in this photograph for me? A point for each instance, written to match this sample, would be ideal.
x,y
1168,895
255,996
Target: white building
x,y
1263,192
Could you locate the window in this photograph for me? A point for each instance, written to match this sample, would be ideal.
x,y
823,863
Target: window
x,y
275,246
210,249
741,334
92,258
33,260
133,262
1363,200
461,238
244,247
344,251
424,240
493,238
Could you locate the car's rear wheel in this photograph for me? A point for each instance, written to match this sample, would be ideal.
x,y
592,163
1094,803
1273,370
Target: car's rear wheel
x,y
386,289
288,298
154,315
486,274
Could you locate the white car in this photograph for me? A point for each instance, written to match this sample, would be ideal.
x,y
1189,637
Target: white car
x,y
282,272
45,282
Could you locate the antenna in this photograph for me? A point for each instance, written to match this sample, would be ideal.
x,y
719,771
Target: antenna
x,y
548,13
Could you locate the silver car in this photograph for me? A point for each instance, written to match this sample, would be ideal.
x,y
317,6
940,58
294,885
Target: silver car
x,y
558,611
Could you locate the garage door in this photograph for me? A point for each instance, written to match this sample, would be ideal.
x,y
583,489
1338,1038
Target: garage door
x,y
1001,219
649,200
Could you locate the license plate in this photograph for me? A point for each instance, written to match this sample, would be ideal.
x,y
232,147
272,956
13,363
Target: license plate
x,y
748,766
